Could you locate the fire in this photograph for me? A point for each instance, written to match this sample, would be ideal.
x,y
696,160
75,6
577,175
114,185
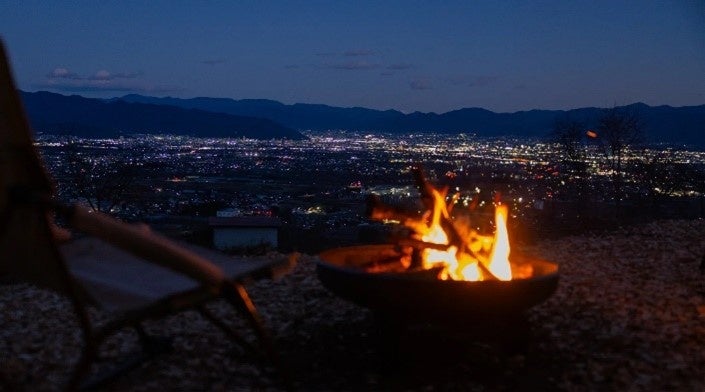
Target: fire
x,y
486,257
499,258
439,241
436,235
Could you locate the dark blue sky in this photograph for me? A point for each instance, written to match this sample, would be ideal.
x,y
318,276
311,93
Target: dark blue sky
x,y
405,55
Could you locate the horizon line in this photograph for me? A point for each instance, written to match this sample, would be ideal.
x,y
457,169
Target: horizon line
x,y
360,107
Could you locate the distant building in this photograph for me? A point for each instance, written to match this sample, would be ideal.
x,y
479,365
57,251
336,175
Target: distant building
x,y
243,231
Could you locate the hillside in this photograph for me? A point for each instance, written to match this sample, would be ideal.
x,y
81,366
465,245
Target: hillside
x,y
663,124
79,116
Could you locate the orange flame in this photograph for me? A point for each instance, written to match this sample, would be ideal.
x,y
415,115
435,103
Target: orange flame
x,y
490,251
436,235
499,258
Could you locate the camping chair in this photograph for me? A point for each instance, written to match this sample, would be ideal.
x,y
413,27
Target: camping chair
x,y
136,274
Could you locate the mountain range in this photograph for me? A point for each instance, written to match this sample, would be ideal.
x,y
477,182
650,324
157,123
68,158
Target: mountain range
x,y
88,117
261,118
662,124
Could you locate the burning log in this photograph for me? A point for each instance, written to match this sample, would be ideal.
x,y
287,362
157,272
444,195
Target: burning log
x,y
425,189
436,239
454,237
396,264
420,245
377,210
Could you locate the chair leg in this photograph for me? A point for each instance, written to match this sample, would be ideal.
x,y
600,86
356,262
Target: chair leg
x,y
227,330
236,294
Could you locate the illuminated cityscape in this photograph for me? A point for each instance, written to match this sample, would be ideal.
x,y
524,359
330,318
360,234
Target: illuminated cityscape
x,y
319,185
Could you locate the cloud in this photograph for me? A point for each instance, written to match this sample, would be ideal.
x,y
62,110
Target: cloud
x,y
359,52
352,65
97,86
102,75
212,62
62,73
326,54
292,66
421,84
61,79
400,66
107,75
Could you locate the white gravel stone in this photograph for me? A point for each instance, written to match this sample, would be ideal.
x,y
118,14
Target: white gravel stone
x,y
629,314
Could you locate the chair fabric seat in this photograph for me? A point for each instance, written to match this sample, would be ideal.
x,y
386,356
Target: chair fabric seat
x,y
119,280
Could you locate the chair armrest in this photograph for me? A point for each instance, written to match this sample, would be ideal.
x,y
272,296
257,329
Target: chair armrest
x,y
142,242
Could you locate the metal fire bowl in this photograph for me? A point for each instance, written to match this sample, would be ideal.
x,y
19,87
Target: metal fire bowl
x,y
414,297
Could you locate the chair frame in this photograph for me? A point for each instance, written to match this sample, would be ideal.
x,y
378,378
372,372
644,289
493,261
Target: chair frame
x,y
33,196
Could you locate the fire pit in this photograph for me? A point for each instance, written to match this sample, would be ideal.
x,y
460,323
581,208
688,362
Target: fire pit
x,y
419,296
441,271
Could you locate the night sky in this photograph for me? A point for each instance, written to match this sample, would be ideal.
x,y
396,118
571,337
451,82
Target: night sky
x,y
404,55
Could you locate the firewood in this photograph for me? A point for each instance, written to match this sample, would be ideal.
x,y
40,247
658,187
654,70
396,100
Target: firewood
x,y
425,189
377,210
416,260
418,244
448,225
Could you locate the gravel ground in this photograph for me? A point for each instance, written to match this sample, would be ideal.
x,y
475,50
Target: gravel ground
x,y
629,314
